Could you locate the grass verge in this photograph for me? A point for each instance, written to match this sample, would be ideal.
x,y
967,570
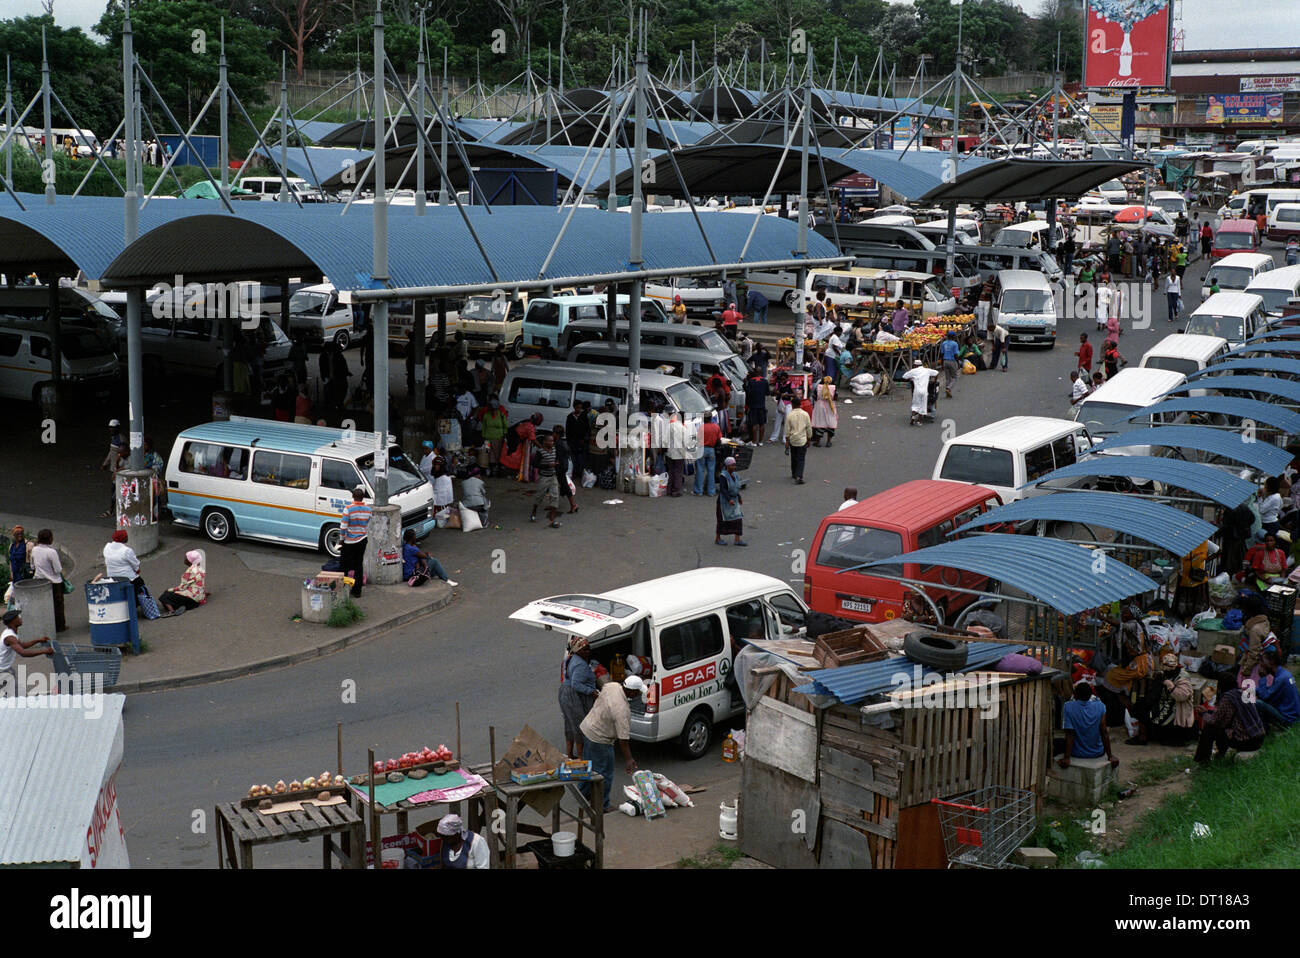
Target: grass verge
x,y
1252,810
721,855
345,614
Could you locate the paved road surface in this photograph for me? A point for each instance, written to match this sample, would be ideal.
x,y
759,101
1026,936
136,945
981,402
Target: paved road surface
x,y
190,748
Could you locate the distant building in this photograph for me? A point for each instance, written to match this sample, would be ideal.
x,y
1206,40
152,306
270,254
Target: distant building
x,y
1202,79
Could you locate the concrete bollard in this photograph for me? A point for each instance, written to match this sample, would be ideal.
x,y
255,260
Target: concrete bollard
x,y
35,600
135,509
384,546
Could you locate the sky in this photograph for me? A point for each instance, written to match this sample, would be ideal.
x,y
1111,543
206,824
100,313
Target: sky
x,y
1209,24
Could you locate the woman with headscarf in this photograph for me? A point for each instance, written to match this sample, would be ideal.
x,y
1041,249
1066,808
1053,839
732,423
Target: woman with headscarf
x,y
1165,713
444,494
730,519
519,447
20,556
824,417
1117,683
578,690
121,562
192,591
461,848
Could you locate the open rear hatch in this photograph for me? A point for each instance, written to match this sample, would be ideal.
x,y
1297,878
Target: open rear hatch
x,y
586,615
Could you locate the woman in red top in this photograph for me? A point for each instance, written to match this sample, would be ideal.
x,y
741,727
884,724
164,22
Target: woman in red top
x,y
519,443
1267,560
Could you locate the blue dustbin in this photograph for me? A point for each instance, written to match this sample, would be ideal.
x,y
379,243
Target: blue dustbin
x,y
110,604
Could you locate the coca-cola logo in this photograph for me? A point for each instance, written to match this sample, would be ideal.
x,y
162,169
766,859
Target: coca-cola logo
x,y
1131,81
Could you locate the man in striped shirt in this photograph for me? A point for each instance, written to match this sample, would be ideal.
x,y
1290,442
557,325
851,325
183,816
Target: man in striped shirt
x,y
356,521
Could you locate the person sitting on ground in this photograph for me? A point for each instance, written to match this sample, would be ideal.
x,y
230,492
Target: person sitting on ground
x,y
418,565
120,562
192,592
1267,560
1276,696
1165,712
1233,723
1084,720
473,493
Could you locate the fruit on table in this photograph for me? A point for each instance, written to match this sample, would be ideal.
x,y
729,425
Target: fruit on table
x,y
280,787
295,786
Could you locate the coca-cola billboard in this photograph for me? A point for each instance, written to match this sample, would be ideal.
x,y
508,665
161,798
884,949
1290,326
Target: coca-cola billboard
x,y
1128,44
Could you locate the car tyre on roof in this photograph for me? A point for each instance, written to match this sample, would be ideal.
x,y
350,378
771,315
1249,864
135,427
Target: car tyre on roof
x,y
935,650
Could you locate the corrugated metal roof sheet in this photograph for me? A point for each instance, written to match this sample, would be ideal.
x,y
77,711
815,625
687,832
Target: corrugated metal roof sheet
x,y
316,163
861,102
275,237
51,767
1265,346
1272,364
1271,385
1271,332
852,684
1263,456
1016,178
1234,406
1214,484
747,168
202,242
316,130
1057,573
1169,528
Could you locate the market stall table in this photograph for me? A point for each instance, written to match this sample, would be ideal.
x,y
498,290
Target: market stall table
x,y
250,828
589,815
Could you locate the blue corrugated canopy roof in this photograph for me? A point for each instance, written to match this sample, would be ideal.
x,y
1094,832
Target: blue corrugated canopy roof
x,y
1212,483
315,130
275,239
315,164
1233,406
488,131
85,232
747,168
1273,332
1059,574
1173,529
1281,388
1271,364
854,683
863,103
1265,346
1263,456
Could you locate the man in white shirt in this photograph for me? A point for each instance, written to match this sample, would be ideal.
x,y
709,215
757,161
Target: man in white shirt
x,y
426,463
1079,387
850,499
919,376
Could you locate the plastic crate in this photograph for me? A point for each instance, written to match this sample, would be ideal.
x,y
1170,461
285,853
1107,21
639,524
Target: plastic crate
x,y
1280,602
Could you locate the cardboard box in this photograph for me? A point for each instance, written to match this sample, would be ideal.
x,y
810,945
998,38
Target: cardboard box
x,y
1224,655
408,841
532,774
528,748
427,839
573,770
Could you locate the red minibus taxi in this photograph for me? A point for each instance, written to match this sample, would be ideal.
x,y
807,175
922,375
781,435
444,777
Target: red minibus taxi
x,y
903,519
1235,236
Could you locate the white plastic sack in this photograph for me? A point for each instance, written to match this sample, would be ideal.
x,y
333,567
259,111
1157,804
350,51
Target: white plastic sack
x,y
1222,591
470,521
1131,725
1200,617
657,486
588,479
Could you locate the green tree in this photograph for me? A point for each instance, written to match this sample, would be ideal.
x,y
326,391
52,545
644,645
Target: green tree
x,y
178,43
82,73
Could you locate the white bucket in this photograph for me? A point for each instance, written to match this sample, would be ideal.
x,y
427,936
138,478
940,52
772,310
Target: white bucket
x,y
727,822
562,844
392,857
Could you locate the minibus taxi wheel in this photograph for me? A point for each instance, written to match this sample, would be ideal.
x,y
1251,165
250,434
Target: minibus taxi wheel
x,y
331,541
218,525
342,339
697,733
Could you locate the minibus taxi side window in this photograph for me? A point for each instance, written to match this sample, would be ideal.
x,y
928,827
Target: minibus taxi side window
x,y
1064,452
9,343
745,621
281,469
40,347
212,459
1038,462
691,641
335,474
790,612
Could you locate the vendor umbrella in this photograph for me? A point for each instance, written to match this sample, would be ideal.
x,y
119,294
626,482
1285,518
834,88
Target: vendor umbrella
x,y
1133,214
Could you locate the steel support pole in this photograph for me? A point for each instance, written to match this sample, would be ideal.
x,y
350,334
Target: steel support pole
x,y
48,172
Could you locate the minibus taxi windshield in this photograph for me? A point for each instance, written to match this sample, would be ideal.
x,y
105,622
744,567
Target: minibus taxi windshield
x,y
402,473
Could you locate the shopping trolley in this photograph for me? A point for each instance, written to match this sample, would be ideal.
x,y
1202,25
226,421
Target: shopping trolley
x,y
70,660
982,828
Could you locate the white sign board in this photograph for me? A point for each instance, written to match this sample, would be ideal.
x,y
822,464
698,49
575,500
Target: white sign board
x,y
1279,84
105,845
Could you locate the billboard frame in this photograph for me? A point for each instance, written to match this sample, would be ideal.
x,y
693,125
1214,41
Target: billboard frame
x,y
1169,53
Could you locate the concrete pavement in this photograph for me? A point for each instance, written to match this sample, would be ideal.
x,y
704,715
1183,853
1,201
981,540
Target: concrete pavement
x,y
187,748
247,624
